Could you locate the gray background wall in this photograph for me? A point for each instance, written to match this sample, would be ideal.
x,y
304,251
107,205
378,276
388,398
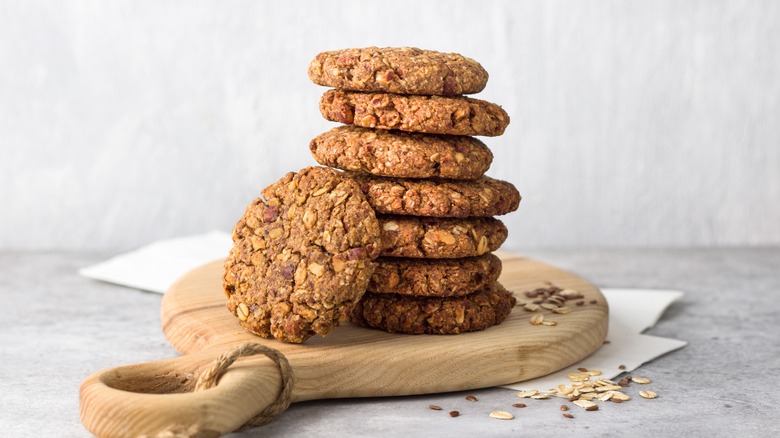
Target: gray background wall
x,y
651,123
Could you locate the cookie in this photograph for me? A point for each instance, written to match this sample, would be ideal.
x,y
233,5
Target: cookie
x,y
402,154
437,238
404,70
434,278
429,114
439,316
481,197
302,254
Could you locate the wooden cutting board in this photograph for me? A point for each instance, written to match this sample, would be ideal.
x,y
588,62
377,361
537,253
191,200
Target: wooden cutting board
x,y
350,362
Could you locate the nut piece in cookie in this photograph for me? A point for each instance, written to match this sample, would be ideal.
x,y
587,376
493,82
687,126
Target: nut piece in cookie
x,y
301,255
430,114
439,316
402,154
403,70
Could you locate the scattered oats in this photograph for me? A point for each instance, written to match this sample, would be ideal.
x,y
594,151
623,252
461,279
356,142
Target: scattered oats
x,y
550,323
471,398
594,372
531,307
540,397
564,389
568,415
588,396
578,377
641,380
585,404
648,394
562,310
527,394
617,395
606,388
606,395
501,415
569,294
549,306
586,389
434,407
537,319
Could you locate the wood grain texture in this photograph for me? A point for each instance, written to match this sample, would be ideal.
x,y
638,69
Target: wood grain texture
x,y
350,362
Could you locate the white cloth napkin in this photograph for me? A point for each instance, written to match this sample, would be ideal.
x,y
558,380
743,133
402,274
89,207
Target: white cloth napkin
x,y
631,311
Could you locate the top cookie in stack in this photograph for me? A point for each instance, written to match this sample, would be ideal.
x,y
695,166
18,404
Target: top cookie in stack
x,y
408,144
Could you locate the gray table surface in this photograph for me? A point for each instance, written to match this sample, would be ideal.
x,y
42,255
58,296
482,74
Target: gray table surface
x,y
56,328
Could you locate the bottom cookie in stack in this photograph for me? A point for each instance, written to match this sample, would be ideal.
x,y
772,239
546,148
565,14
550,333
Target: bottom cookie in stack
x,y
416,315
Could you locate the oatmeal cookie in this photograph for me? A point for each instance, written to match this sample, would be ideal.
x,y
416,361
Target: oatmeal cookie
x,y
302,254
434,278
439,316
481,197
437,238
402,154
403,70
429,114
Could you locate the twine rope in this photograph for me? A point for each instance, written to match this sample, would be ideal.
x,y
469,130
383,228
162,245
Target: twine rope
x,y
209,378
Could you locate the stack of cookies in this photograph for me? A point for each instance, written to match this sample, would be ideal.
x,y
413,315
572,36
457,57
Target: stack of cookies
x,y
408,142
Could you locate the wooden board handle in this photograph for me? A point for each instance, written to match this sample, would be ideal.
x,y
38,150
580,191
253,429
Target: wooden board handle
x,y
157,398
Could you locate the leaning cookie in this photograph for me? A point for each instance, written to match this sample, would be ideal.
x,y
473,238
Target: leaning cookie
x,y
434,278
481,197
440,316
429,114
301,255
439,238
404,70
402,154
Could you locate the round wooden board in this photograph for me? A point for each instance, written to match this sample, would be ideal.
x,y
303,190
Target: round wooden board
x,y
359,362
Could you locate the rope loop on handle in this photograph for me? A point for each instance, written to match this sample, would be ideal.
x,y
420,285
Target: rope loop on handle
x,y
209,377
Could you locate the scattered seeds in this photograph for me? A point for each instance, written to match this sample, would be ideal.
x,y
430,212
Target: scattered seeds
x,y
621,367
519,405
582,370
648,394
537,319
641,380
501,415
594,301
564,408
434,407
568,415
454,413
471,398
592,408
